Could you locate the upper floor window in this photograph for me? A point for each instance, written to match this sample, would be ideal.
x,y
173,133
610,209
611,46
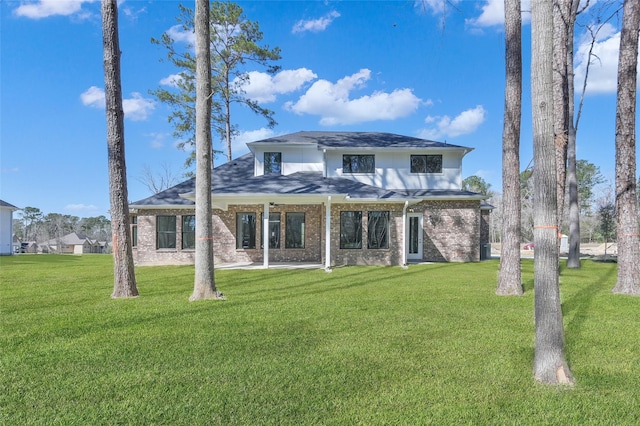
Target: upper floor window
x,y
426,164
272,163
188,232
166,232
358,163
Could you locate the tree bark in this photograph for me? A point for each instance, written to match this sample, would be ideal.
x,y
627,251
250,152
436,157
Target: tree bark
x,y
510,276
561,28
204,282
124,275
628,281
573,260
549,362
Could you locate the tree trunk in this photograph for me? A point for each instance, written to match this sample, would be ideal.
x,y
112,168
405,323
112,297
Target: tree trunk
x,y
124,275
204,283
561,14
549,362
573,260
626,196
509,278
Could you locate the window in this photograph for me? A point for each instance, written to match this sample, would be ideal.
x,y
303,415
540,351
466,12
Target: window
x,y
166,232
350,230
378,230
358,164
245,230
274,230
426,164
272,163
294,237
189,232
134,231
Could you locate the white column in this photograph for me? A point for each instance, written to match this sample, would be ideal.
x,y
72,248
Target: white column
x,y
404,234
265,235
327,234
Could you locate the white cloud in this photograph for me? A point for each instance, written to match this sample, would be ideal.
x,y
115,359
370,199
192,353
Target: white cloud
x,y
262,87
315,25
135,108
93,97
172,80
331,102
493,14
603,71
80,207
466,122
178,34
47,8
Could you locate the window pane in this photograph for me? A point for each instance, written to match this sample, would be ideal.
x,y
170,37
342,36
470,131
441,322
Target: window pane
x,y
434,163
378,230
274,230
188,232
350,230
295,231
358,164
166,232
246,230
272,163
134,231
418,164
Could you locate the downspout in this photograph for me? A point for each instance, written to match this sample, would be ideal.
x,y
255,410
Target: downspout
x,y
327,235
404,234
265,236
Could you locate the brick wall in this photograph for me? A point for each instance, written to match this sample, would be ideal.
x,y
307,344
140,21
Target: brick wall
x,y
453,231
364,255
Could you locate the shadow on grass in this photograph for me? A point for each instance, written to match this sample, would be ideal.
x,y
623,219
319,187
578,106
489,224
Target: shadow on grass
x,y
579,304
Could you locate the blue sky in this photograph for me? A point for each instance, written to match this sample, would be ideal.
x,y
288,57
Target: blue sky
x,y
413,68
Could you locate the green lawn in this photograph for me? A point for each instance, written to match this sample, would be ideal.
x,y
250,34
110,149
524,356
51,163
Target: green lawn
x,y
430,344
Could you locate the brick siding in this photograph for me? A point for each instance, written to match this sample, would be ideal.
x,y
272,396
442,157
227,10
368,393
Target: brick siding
x,y
453,232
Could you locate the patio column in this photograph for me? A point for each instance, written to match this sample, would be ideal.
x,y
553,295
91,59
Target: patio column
x,y
265,235
327,234
404,233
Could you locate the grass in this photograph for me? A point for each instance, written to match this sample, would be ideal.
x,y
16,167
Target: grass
x,y
431,344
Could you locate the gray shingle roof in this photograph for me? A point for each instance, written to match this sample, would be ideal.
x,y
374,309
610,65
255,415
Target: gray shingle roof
x,y
334,140
5,204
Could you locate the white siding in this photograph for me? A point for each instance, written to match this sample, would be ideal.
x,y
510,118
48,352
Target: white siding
x,y
393,170
294,159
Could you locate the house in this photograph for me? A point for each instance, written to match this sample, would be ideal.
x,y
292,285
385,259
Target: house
x,y
332,198
6,228
72,243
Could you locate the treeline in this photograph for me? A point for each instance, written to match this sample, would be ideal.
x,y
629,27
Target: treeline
x,y
31,224
595,196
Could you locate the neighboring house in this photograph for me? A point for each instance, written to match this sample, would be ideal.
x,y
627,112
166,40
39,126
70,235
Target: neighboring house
x,y
72,243
6,228
333,198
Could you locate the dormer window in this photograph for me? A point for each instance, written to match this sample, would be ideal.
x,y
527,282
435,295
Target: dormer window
x,y
358,163
272,163
426,164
